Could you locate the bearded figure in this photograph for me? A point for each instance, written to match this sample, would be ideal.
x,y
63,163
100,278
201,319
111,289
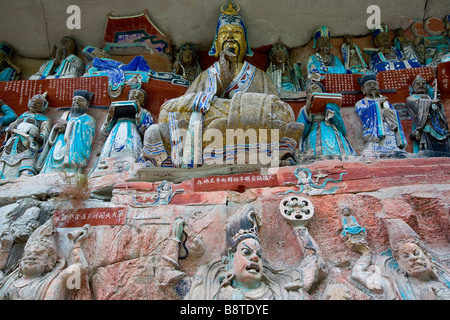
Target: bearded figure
x,y
231,94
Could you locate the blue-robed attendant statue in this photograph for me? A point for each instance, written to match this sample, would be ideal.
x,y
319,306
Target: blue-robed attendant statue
x,y
324,61
71,139
387,57
382,129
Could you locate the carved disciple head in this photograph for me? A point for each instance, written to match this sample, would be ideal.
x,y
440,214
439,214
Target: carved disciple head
x,y
188,55
322,41
231,33
81,101
246,269
40,253
38,103
419,85
369,86
314,87
279,55
138,95
381,37
409,251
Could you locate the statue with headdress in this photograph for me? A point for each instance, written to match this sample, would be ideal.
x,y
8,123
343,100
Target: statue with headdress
x,y
382,129
63,63
323,61
24,139
286,76
385,56
123,128
231,94
70,142
187,63
8,70
43,274
416,273
430,126
324,134
243,274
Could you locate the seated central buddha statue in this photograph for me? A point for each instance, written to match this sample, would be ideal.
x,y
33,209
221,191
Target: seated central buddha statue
x,y
230,94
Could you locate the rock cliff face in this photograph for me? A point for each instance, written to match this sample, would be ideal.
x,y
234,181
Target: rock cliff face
x,y
125,254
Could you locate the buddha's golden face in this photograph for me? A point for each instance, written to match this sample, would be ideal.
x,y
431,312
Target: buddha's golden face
x,y
232,37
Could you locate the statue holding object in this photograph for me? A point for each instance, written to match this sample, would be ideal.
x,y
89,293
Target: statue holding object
x,y
70,142
430,126
24,138
231,94
42,273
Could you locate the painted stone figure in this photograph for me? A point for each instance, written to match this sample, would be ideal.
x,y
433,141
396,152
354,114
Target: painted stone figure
x,y
20,229
70,141
187,62
64,62
124,125
402,43
42,273
8,70
352,57
231,94
324,132
353,233
387,57
324,61
430,128
382,129
286,77
243,274
25,137
7,116
407,271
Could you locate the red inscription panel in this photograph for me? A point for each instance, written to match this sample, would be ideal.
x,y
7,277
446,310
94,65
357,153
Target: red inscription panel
x,y
60,91
238,182
92,216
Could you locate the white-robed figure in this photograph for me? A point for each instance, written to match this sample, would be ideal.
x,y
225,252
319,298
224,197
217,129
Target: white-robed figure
x,y
382,129
124,126
70,142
